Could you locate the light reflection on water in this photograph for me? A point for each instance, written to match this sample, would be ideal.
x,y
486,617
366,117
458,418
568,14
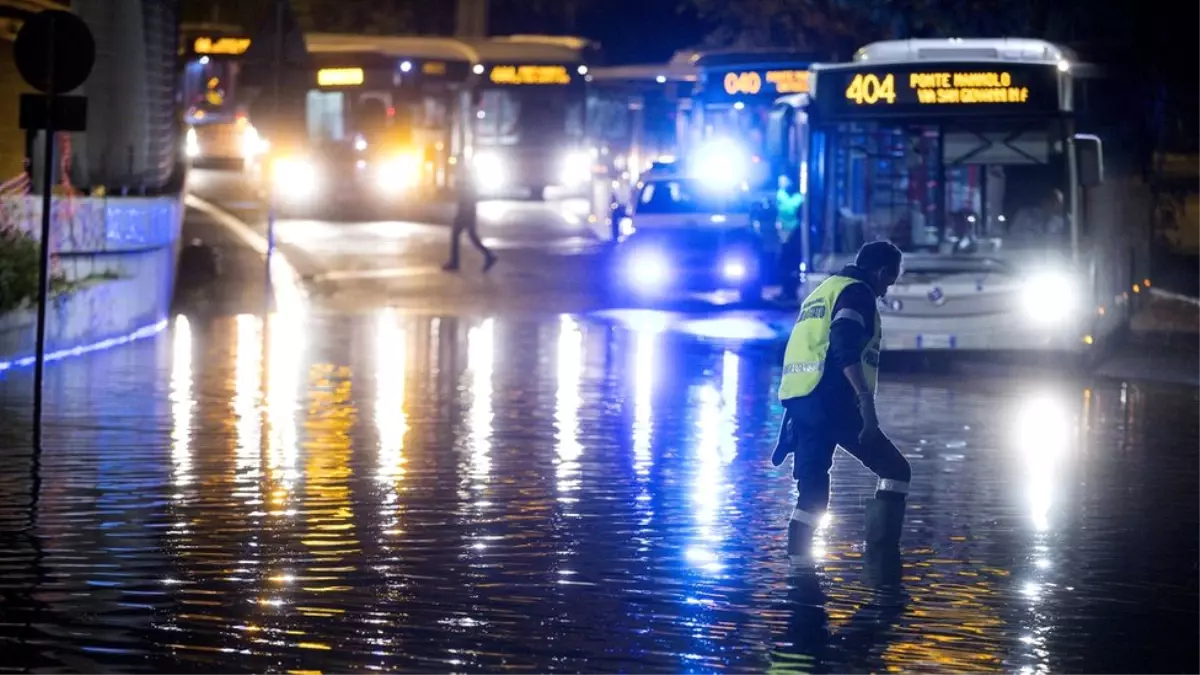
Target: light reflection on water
x,y
391,492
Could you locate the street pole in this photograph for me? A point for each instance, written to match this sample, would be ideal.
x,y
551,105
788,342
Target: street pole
x,y
275,108
39,368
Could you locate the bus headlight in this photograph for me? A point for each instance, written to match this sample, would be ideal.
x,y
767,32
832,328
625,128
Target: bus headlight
x,y
252,144
577,168
295,176
489,169
192,143
399,173
1050,298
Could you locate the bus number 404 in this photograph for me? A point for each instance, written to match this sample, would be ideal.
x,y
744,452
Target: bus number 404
x,y
870,90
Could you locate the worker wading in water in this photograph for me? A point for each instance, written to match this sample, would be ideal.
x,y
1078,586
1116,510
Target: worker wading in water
x,y
828,393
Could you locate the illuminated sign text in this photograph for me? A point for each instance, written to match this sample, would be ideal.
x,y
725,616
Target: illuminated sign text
x,y
530,75
789,81
754,82
938,88
433,68
225,45
743,83
339,77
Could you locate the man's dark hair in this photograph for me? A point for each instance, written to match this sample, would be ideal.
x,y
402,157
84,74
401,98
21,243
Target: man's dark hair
x,y
878,255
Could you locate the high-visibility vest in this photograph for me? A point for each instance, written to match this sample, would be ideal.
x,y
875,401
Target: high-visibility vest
x,y
804,359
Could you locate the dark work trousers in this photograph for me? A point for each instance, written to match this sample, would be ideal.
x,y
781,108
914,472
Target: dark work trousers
x,y
790,257
465,219
815,430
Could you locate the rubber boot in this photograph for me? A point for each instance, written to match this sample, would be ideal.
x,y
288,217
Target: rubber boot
x,y
800,536
881,563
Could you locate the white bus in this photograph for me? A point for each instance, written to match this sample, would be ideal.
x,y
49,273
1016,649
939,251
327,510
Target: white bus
x,y
966,154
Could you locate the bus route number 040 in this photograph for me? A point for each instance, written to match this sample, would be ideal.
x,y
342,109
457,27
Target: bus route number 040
x,y
869,89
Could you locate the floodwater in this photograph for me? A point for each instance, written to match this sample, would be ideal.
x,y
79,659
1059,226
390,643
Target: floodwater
x,y
392,492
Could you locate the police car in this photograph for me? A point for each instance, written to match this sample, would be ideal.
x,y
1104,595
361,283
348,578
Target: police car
x,y
687,231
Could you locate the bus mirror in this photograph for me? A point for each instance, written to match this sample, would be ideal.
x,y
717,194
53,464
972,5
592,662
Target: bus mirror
x,y
1089,160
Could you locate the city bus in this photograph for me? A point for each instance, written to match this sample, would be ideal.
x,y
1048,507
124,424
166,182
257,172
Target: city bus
x,y
635,115
734,95
522,116
219,132
967,154
374,127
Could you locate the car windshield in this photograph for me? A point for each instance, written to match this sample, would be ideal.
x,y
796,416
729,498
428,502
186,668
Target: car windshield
x,y
685,196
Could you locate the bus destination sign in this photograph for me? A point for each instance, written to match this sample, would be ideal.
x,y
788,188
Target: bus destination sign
x,y
340,77
773,82
917,88
530,75
223,45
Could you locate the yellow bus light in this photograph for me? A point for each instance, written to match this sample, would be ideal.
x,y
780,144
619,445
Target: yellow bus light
x,y
340,77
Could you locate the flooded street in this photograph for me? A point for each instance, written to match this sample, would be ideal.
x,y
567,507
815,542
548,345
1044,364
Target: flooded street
x,y
386,491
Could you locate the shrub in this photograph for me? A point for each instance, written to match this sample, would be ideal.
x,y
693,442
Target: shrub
x,y
19,257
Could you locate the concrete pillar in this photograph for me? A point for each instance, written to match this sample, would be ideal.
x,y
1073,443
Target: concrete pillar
x,y
471,19
114,147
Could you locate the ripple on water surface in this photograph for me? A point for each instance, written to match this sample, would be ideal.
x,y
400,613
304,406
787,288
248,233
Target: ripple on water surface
x,y
390,492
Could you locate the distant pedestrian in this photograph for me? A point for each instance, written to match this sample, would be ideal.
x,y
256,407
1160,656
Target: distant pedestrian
x,y
466,219
788,203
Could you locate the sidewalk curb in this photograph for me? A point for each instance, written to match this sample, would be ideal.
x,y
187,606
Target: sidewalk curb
x,y
283,274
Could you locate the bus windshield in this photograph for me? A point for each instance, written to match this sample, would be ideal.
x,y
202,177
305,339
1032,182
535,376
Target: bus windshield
x,y
209,88
748,125
342,117
949,189
529,115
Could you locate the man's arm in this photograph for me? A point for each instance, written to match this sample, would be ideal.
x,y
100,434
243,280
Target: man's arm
x,y
853,325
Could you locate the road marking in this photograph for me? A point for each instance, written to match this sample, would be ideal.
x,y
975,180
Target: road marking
x,y
286,287
390,273
1174,296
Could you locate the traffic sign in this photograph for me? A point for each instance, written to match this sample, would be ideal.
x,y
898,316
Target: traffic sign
x,y
54,51
60,113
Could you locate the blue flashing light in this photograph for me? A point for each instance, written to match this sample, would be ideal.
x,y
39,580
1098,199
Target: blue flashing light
x,y
720,164
141,333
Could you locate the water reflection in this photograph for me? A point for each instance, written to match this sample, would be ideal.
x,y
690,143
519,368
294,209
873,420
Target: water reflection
x,y
481,357
391,417
247,388
182,401
391,492
567,405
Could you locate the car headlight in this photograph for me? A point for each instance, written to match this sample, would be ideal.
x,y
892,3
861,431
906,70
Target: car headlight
x,y
1050,298
648,269
399,173
577,168
295,175
192,143
734,269
489,169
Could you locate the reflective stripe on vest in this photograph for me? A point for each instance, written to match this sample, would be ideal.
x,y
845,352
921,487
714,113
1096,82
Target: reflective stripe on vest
x,y
804,360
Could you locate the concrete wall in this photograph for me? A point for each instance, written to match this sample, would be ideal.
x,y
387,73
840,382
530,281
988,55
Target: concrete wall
x,y
136,239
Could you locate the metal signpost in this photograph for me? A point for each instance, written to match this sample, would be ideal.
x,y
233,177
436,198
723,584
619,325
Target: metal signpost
x,y
55,53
